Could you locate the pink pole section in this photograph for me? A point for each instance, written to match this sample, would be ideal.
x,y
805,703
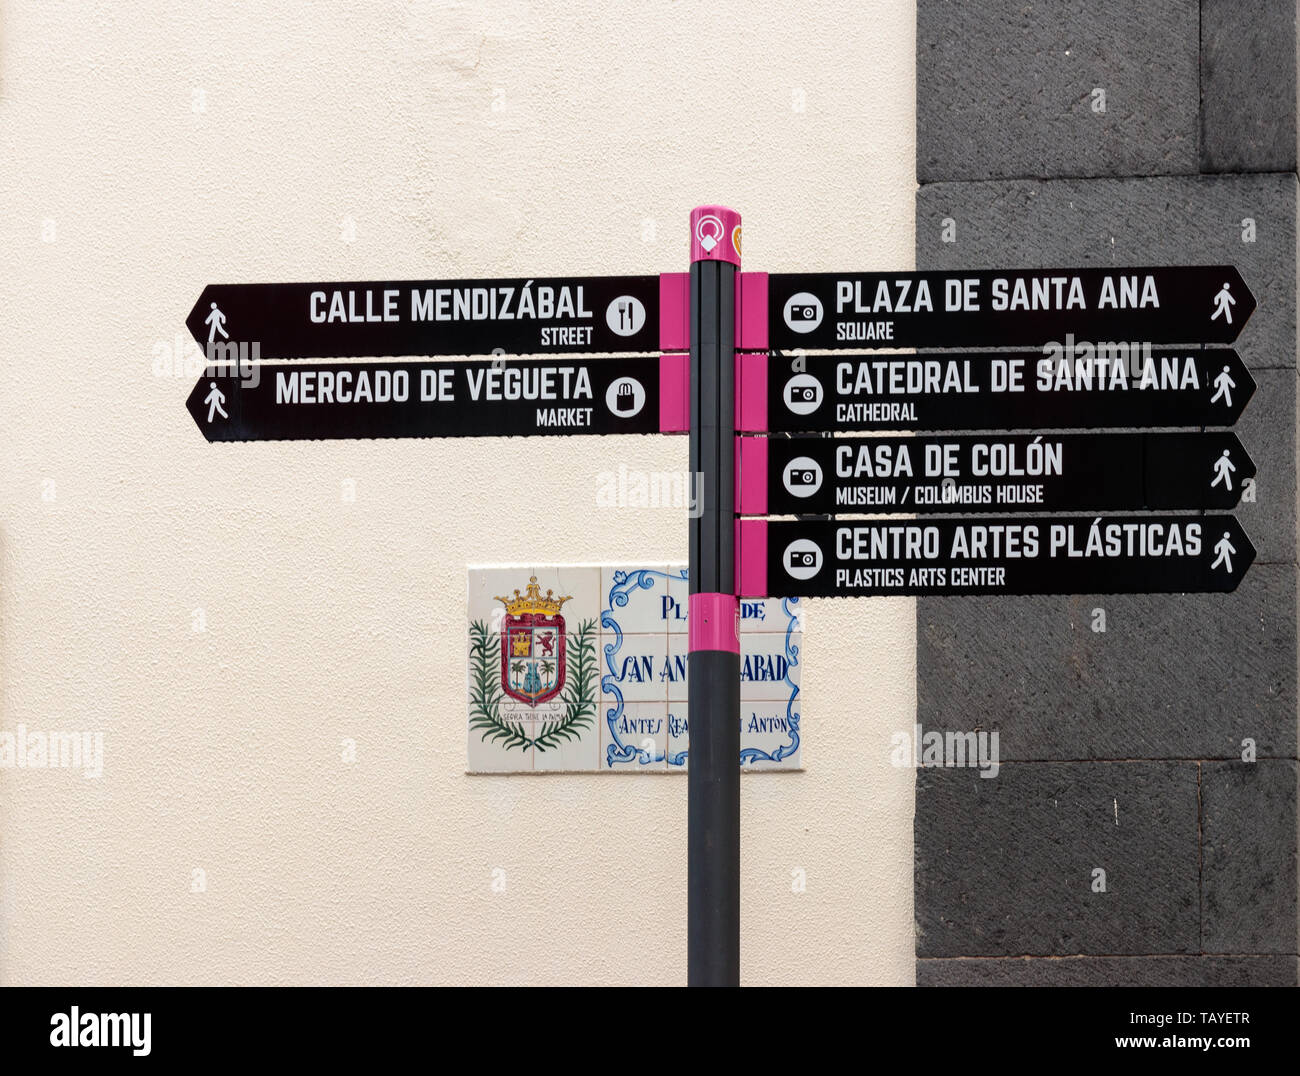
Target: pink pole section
x,y
674,312
751,312
751,393
674,393
751,477
713,622
715,234
751,558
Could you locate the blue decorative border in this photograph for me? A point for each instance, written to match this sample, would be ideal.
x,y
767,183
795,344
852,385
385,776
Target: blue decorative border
x,y
619,753
753,754
624,584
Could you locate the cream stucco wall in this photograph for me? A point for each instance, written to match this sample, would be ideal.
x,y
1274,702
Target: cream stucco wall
x,y
149,148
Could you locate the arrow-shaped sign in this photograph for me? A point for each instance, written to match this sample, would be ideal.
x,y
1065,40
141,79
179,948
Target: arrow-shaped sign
x,y
496,398
1082,389
1204,304
1110,472
427,317
1052,555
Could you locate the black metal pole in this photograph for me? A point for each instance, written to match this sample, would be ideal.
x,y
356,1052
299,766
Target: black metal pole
x,y
713,666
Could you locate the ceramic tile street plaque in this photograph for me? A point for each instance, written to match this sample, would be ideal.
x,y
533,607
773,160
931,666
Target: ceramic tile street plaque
x,y
518,397
993,473
584,668
1080,388
524,316
1151,554
1007,307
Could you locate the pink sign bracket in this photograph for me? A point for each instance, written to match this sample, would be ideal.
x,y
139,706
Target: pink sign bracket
x,y
751,558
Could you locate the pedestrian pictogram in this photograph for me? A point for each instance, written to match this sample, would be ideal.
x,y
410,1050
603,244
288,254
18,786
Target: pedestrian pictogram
x,y
1223,303
216,321
214,399
1223,386
1223,470
1223,553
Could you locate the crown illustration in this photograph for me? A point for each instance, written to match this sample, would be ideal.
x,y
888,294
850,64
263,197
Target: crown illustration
x,y
533,602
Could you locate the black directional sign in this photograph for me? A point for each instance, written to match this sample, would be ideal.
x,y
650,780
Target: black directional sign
x,y
1003,473
1078,389
300,401
1007,307
428,317
1052,555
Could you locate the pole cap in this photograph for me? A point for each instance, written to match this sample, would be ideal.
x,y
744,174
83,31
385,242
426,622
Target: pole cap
x,y
715,234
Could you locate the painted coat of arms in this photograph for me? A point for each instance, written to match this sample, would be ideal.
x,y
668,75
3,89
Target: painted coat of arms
x,y
533,683
532,645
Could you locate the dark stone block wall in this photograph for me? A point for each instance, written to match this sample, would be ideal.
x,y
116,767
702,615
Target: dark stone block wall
x,y
1111,133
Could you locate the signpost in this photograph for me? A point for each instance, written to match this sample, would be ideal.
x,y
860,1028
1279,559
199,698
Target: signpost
x,y
539,397
1122,385
991,473
1007,308
1015,555
429,317
713,615
985,499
